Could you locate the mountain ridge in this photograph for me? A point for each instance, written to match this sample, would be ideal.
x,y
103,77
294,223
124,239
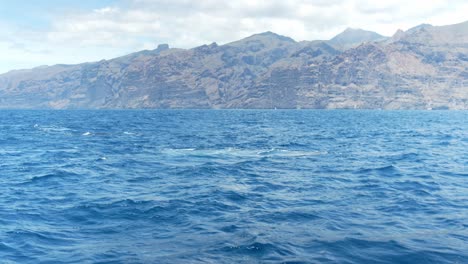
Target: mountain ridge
x,y
422,68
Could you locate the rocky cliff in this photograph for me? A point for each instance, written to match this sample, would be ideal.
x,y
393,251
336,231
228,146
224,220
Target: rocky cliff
x,y
423,68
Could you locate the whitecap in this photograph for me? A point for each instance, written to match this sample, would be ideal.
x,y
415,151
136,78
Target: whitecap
x,y
52,128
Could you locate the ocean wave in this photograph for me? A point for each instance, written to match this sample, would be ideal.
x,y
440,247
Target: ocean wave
x,y
233,187
52,128
246,153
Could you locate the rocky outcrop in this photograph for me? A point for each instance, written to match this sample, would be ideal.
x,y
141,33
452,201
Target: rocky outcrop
x,y
422,68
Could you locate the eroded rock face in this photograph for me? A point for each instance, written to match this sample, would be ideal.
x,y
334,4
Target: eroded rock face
x,y
422,68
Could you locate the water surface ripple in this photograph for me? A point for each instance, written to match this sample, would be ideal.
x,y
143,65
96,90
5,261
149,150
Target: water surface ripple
x,y
196,186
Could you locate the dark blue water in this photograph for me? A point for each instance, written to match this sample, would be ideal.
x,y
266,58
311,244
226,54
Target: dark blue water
x,y
233,187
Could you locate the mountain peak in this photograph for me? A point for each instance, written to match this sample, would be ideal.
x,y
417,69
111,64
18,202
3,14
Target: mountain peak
x,y
271,35
352,30
162,47
268,38
267,33
398,34
356,33
428,34
352,37
419,27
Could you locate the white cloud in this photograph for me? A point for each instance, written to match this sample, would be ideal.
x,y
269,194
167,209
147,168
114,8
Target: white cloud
x,y
132,25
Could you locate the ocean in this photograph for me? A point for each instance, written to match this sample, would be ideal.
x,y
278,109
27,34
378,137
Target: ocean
x,y
233,186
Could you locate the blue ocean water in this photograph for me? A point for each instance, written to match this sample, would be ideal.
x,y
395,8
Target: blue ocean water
x,y
233,186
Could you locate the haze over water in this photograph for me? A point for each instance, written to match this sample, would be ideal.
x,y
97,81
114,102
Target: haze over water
x,y
233,186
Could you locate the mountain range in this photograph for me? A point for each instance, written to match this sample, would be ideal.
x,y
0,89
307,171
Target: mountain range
x,y
425,67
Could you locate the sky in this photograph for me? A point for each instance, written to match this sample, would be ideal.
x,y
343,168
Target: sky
x,y
47,32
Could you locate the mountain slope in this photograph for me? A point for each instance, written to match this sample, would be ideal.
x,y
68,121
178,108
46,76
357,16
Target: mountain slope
x,y
425,67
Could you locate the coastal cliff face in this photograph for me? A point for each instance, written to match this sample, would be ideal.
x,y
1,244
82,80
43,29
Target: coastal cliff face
x,y
423,68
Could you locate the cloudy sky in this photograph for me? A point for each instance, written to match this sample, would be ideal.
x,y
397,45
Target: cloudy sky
x,y
48,32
